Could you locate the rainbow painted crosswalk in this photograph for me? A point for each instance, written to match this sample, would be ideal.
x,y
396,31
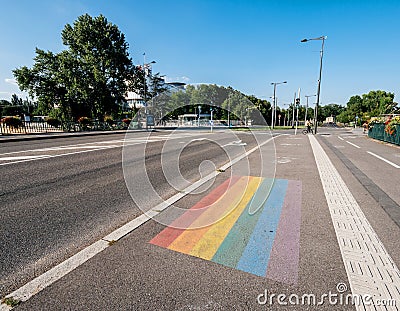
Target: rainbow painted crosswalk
x,y
248,223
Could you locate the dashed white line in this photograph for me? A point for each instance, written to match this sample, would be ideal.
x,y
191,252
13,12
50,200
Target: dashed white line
x,y
340,138
90,147
354,145
383,159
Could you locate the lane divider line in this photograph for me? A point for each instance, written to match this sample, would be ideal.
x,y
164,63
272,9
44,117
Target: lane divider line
x,y
95,145
383,159
354,145
46,279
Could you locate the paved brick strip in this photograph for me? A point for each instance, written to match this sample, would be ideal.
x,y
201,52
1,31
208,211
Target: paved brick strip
x,y
370,269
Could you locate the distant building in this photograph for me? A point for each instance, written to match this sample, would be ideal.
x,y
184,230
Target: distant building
x,y
193,119
135,101
330,120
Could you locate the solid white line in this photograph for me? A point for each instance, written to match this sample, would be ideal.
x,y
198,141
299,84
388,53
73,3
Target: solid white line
x,y
46,279
63,147
383,159
340,138
353,144
23,157
130,142
41,282
59,155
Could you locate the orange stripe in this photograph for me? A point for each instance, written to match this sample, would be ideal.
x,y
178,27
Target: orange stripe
x,y
212,239
169,234
186,241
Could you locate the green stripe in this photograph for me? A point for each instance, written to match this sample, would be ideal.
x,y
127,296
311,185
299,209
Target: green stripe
x,y
231,249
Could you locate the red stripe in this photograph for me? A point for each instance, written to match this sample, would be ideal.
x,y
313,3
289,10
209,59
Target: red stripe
x,y
169,234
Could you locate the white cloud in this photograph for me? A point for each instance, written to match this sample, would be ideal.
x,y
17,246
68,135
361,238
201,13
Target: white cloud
x,y
11,81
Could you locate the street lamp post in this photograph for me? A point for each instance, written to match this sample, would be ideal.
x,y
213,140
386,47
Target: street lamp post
x,y
305,117
199,116
229,108
323,38
144,80
274,104
211,120
294,106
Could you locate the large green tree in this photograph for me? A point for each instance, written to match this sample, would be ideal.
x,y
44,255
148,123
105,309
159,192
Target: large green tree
x,y
369,105
331,110
89,78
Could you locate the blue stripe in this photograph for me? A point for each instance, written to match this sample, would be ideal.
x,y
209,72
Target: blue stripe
x,y
256,254
232,247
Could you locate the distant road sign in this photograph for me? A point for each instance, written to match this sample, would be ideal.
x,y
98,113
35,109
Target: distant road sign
x,y
150,120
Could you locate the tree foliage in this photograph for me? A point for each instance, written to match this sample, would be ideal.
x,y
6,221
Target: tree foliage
x,y
17,106
89,78
331,110
369,105
218,98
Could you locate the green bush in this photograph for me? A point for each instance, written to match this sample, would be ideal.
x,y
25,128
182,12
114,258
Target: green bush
x,y
53,122
14,122
84,121
109,120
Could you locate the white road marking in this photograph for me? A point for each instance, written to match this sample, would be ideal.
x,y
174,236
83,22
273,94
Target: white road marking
x,y
383,159
235,143
284,160
46,279
59,155
90,147
340,138
369,267
22,157
354,145
41,282
66,147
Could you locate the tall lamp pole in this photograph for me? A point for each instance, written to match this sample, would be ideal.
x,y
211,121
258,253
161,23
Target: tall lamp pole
x,y
144,79
305,117
274,104
323,38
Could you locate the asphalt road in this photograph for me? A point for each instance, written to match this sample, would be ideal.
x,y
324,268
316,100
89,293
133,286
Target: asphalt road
x,y
82,196
59,195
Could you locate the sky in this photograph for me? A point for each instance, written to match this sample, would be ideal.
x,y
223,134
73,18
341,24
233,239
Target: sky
x,y
244,44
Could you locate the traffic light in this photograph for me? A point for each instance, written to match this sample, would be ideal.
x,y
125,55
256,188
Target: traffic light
x,y
297,101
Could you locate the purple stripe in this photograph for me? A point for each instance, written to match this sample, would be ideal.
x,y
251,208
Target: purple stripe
x,y
283,264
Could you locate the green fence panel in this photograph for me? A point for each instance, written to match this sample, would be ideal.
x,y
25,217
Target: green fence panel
x,y
378,132
397,134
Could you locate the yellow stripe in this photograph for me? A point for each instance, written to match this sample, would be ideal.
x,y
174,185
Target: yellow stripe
x,y
185,242
213,238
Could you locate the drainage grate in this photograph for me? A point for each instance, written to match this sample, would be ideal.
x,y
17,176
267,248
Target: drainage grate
x,y
370,269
